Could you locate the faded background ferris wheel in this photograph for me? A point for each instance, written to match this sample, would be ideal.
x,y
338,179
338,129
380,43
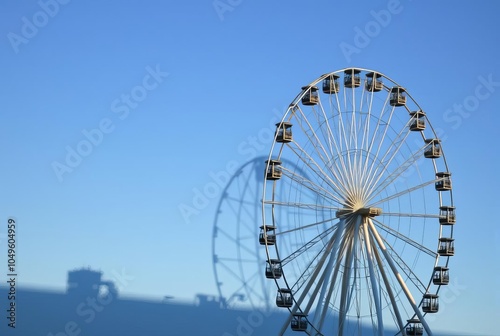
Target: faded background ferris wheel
x,y
238,259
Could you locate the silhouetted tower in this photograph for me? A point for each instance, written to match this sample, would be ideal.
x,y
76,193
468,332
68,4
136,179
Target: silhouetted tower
x,y
88,283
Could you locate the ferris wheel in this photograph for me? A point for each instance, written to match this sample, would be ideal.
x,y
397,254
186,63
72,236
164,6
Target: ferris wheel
x,y
368,233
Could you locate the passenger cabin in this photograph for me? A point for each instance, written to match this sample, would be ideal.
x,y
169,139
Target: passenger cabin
x,y
331,84
310,97
373,82
397,96
446,247
414,328
284,298
352,78
447,215
299,322
443,181
273,269
283,132
430,304
432,149
273,170
441,275
267,235
417,122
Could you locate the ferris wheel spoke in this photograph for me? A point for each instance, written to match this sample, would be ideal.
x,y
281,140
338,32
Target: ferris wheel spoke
x,y
397,258
407,270
405,239
374,136
312,206
308,285
309,276
365,146
306,226
334,256
353,133
366,130
307,246
321,283
350,175
312,186
339,185
325,128
342,145
388,286
314,266
340,174
361,125
375,187
312,136
401,214
398,276
394,147
403,192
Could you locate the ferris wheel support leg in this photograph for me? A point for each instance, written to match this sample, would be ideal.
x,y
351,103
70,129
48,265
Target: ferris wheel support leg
x,y
319,318
344,299
394,269
310,282
390,292
330,293
375,289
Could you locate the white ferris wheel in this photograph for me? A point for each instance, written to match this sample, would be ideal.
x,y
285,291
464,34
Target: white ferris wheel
x,y
358,232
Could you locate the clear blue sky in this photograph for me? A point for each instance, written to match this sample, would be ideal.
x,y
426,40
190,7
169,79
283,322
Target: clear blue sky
x,y
154,97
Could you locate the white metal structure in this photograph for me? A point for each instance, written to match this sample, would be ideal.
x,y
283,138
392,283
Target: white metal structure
x,y
363,239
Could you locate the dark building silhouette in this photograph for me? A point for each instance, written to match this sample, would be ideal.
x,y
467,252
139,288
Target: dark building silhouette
x,y
92,306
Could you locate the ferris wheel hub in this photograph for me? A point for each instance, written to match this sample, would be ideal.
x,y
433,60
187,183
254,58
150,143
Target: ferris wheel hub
x,y
367,212
372,212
